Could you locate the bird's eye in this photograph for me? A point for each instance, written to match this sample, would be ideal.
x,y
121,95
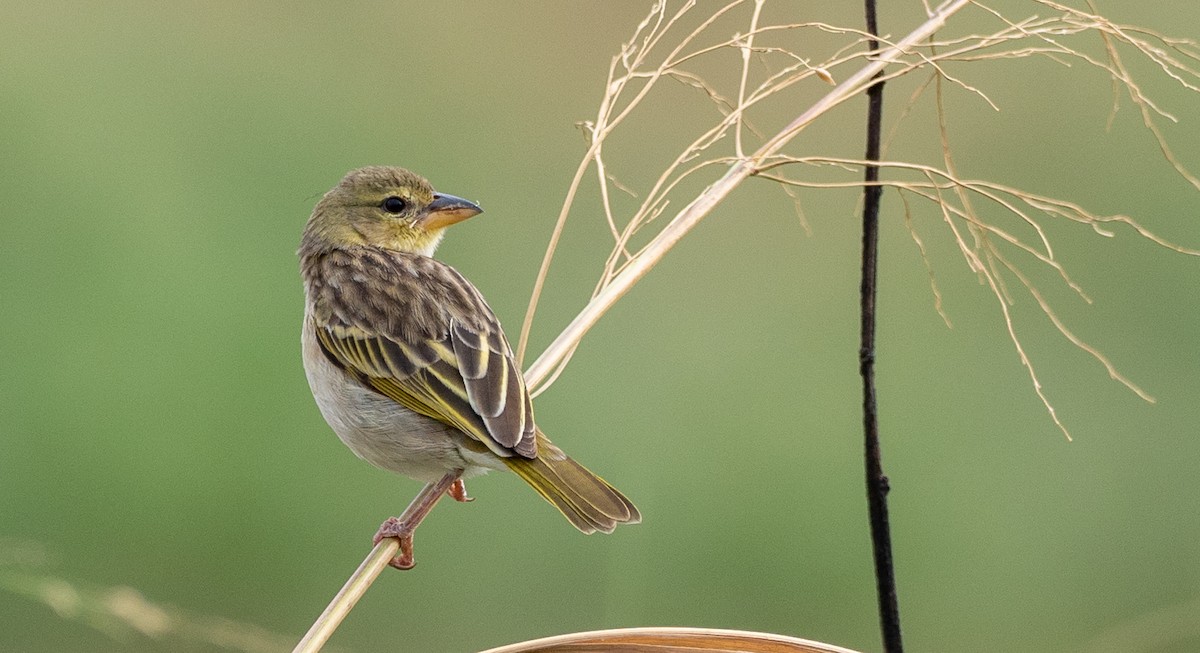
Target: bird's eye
x,y
394,205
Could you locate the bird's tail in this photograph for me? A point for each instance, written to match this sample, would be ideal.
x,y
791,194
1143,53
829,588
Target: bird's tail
x,y
587,500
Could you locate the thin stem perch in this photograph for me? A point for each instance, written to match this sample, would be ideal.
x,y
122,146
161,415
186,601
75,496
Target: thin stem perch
x,y
376,561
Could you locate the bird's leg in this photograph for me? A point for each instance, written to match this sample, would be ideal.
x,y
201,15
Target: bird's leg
x,y
403,527
458,492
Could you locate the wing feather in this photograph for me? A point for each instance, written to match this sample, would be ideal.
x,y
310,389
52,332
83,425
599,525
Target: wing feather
x,y
419,333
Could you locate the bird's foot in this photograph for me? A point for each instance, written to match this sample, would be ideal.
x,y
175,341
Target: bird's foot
x,y
458,492
394,527
403,527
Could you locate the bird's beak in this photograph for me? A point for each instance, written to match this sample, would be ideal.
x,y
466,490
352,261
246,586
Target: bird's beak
x,y
446,210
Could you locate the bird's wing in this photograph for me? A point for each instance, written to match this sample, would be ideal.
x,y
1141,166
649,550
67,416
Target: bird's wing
x,y
416,331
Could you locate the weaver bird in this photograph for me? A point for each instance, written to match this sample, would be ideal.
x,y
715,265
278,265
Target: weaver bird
x,y
409,365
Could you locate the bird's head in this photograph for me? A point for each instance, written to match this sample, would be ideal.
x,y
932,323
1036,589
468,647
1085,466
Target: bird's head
x,y
384,207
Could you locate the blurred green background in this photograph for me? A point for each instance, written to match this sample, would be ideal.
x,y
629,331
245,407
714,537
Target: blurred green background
x,y
157,433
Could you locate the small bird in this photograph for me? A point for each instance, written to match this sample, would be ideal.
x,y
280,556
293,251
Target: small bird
x,y
407,362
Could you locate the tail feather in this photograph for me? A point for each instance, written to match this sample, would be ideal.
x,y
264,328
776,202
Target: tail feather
x,y
587,500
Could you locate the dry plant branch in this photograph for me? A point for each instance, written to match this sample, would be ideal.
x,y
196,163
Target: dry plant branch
x,y
1030,37
376,561
635,267
981,248
344,601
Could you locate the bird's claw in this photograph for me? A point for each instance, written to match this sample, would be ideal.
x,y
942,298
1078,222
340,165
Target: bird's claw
x,y
393,527
458,492
403,527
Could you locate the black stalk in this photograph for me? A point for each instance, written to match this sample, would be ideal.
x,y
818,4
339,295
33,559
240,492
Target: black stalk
x,y
877,482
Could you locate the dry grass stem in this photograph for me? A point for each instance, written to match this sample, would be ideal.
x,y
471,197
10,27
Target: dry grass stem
x,y
346,598
124,614
632,65
665,46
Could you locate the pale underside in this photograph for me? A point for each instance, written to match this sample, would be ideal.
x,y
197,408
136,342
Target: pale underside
x,y
384,433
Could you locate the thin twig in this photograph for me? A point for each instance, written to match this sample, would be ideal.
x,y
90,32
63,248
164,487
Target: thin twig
x,y
376,561
322,629
630,58
877,482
